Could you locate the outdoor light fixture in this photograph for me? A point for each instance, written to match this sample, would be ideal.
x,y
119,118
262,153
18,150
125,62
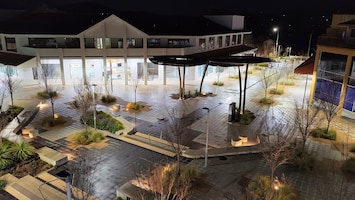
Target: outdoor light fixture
x,y
207,132
93,101
277,31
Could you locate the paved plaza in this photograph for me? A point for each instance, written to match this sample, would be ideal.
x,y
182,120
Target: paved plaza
x,y
119,161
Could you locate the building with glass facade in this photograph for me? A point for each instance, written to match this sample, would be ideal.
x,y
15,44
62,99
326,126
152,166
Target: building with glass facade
x,y
334,66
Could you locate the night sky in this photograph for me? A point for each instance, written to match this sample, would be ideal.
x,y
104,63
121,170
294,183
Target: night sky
x,y
297,20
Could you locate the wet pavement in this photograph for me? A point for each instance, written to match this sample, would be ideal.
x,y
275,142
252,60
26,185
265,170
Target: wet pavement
x,y
119,161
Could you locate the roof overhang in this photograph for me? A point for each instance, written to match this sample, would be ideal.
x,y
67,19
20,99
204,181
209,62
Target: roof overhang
x,y
306,67
13,59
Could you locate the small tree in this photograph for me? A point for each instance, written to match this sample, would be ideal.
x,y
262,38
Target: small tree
x,y
47,72
278,150
83,180
177,129
266,78
82,103
306,119
11,83
329,100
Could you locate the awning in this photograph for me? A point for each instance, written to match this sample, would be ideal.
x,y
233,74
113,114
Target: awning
x,y
306,67
224,52
13,59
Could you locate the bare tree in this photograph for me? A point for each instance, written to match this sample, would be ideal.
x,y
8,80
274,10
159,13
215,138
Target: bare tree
x,y
266,78
83,180
329,101
2,94
166,184
11,83
305,120
278,146
278,73
177,133
82,103
47,72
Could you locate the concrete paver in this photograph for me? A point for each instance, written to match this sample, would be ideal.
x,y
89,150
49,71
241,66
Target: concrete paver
x,y
220,132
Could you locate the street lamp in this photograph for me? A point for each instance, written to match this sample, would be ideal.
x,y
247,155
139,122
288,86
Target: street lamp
x,y
277,39
207,131
93,101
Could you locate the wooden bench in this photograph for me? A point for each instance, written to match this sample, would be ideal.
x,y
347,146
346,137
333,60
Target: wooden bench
x,y
52,156
61,185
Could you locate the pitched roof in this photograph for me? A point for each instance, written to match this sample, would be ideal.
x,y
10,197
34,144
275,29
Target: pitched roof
x,y
13,59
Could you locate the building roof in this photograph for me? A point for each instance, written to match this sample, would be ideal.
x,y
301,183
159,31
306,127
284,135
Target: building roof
x,y
350,22
306,67
13,59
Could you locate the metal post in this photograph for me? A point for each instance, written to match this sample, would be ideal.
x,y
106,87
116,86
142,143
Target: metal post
x,y
93,101
277,40
207,132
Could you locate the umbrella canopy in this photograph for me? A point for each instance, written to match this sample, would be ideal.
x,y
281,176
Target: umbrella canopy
x,y
178,60
237,60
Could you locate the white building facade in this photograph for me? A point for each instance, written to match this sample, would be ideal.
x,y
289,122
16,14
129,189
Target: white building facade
x,y
113,50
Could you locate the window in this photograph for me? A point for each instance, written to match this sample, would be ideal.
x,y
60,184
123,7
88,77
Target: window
x,y
114,43
42,42
202,43
72,42
178,43
98,43
352,33
228,37
134,43
11,44
153,42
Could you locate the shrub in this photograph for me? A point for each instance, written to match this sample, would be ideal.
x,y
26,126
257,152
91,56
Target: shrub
x,y
218,83
290,83
105,121
276,91
22,150
263,64
266,101
235,77
349,166
47,94
5,156
108,98
134,106
3,183
322,133
260,187
88,137
304,161
49,121
246,118
12,112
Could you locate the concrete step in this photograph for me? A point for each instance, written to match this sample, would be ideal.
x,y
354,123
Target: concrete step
x,y
61,185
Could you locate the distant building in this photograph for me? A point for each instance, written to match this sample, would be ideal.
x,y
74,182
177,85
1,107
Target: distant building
x,y
113,47
334,66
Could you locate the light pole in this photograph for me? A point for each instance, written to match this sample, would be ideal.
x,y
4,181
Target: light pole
x,y
277,39
93,101
207,131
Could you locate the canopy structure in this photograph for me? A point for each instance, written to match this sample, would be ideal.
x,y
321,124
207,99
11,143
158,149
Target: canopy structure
x,y
306,67
225,61
13,59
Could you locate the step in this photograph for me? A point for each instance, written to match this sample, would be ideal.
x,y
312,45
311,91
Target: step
x,y
61,185
30,188
158,140
147,146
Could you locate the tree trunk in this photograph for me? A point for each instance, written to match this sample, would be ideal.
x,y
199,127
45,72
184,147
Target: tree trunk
x,y
245,87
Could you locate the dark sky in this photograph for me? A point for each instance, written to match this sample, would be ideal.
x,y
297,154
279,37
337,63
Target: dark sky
x,y
207,6
296,19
